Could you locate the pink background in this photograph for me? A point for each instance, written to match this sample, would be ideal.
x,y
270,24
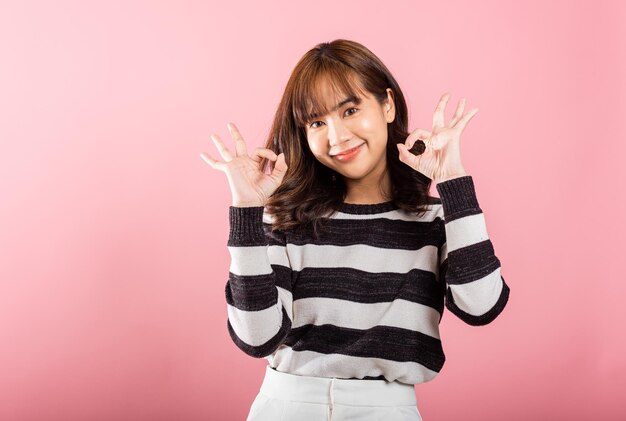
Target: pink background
x,y
113,231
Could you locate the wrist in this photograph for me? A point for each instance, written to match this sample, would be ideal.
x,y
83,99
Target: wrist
x,y
452,176
246,205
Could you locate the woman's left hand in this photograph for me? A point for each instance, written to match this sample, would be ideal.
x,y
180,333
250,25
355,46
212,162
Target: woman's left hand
x,y
441,160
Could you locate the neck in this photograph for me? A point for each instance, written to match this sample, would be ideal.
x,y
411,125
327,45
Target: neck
x,y
373,188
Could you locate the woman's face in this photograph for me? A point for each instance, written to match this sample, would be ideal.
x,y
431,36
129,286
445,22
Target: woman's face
x,y
357,122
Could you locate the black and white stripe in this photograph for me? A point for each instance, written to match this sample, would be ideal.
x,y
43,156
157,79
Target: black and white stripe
x,y
365,299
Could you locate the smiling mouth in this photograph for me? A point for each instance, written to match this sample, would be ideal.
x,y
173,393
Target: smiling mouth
x,y
349,155
349,150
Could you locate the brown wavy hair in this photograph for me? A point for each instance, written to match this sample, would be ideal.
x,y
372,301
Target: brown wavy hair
x,y
310,191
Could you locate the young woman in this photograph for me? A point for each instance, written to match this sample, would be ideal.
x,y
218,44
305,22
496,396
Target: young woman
x,y
341,262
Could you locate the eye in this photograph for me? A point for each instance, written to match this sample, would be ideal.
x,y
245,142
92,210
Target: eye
x,y
351,108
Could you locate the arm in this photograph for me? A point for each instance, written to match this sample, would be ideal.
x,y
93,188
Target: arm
x,y
258,290
475,289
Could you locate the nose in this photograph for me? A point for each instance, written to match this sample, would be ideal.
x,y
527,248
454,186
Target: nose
x,y
338,132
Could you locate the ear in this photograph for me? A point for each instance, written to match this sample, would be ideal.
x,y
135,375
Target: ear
x,y
389,107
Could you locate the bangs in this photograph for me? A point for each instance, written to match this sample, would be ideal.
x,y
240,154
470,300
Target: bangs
x,y
308,101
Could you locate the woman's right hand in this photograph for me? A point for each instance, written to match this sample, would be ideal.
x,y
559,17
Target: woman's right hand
x,y
248,184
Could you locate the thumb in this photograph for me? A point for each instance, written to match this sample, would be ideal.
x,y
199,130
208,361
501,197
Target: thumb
x,y
402,151
280,167
405,155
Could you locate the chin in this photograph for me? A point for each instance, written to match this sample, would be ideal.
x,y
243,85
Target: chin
x,y
355,175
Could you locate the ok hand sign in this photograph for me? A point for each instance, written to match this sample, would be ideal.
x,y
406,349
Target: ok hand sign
x,y
441,160
249,185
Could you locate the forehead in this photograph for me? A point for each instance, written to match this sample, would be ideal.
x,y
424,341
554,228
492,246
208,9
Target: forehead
x,y
328,91
324,93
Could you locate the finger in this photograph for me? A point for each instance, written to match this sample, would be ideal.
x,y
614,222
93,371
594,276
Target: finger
x,y
466,118
435,142
438,117
213,163
240,144
222,148
459,112
406,156
415,135
260,153
280,167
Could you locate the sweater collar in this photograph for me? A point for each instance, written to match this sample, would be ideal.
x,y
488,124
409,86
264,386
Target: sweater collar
x,y
366,209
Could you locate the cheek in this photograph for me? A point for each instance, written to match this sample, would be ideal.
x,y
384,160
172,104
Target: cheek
x,y
375,132
316,147
366,124
372,124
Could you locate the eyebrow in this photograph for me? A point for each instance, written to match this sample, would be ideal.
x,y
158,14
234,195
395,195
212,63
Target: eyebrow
x,y
354,99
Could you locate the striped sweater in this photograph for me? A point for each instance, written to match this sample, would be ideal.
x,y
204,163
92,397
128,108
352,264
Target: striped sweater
x,y
364,300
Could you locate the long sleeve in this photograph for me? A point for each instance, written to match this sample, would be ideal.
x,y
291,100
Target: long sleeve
x,y
475,289
258,291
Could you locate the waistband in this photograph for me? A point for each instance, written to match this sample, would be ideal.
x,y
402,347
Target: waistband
x,y
292,387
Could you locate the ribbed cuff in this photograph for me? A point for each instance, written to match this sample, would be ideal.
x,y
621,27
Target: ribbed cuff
x,y
246,226
457,194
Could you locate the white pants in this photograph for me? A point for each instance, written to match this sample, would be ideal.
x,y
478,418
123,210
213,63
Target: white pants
x,y
287,397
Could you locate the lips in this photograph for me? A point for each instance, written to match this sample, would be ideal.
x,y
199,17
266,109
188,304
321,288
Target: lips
x,y
347,151
349,155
